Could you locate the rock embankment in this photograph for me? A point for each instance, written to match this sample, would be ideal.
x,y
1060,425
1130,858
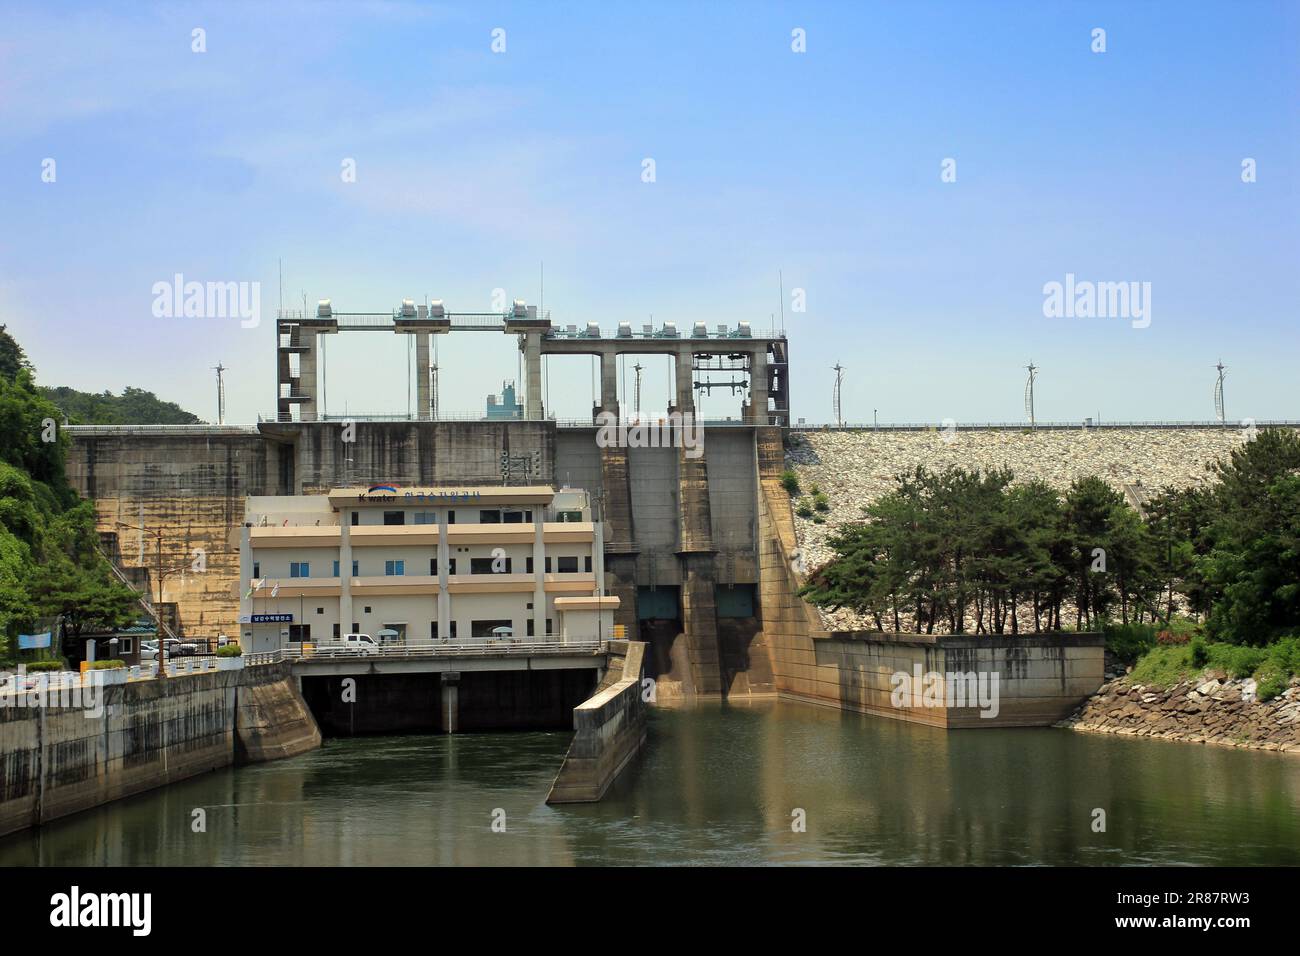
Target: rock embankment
x,y
1218,711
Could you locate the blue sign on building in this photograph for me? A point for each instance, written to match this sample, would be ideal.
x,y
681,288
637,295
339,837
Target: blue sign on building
x,y
272,618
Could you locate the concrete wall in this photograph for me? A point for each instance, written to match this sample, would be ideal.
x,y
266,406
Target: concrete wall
x,y
1039,678
57,760
192,488
609,730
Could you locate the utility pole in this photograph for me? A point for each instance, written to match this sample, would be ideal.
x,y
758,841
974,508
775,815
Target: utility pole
x,y
221,393
157,608
637,391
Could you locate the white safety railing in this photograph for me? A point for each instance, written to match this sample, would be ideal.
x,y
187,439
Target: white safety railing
x,y
439,649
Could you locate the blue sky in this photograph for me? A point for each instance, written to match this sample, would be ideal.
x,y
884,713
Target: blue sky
x,y
475,167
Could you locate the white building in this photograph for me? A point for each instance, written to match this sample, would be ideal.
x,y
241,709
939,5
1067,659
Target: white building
x,y
427,564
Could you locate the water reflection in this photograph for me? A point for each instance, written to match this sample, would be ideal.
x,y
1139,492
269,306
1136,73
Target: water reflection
x,y
718,784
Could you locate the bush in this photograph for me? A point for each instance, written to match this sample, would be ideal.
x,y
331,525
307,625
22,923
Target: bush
x,y
818,519
1281,664
804,511
1200,656
1164,666
790,482
820,502
1271,667
229,650
1128,642
110,665
36,667
1236,660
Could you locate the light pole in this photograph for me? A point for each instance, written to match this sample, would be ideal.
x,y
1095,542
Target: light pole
x,y
157,612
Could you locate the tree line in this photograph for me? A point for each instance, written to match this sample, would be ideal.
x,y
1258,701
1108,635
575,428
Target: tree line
x,y
50,567
975,551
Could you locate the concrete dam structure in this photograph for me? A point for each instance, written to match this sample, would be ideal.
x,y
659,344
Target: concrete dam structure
x,y
682,532
703,552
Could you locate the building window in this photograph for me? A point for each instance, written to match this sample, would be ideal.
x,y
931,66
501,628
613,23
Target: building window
x,y
367,608
528,517
336,630
528,565
433,567
489,516
532,628
512,517
453,630
586,563
355,517
451,568
257,569
320,610
394,517
299,632
356,569
548,564
299,569
355,627
451,519
433,630
394,568
568,516
567,565
336,569
425,517
548,625
126,645
486,628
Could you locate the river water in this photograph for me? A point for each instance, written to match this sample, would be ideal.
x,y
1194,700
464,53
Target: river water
x,y
718,784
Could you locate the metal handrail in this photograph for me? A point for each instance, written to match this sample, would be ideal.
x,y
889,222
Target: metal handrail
x,y
333,651
1040,426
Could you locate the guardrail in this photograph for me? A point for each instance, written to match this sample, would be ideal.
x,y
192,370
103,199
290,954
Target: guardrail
x,y
1040,426
329,651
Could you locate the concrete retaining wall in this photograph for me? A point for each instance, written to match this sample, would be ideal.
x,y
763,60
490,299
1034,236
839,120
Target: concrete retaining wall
x,y
609,730
58,760
1024,681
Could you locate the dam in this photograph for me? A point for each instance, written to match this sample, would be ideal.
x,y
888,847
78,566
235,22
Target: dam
x,y
700,544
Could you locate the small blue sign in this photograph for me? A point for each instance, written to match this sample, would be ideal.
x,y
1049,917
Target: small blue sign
x,y
272,618
33,641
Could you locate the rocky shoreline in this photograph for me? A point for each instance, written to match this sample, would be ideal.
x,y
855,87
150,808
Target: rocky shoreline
x,y
1208,710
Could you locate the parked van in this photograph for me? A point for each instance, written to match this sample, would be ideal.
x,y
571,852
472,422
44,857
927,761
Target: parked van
x,y
358,643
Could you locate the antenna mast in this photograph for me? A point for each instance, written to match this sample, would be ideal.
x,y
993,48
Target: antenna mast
x,y
221,393
637,392
1218,392
836,396
1029,391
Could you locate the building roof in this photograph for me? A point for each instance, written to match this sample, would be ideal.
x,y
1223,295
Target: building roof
x,y
390,495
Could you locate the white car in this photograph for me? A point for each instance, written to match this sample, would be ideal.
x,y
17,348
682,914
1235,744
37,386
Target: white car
x,y
358,643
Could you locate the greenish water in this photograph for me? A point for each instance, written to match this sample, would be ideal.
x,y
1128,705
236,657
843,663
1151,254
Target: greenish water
x,y
717,785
